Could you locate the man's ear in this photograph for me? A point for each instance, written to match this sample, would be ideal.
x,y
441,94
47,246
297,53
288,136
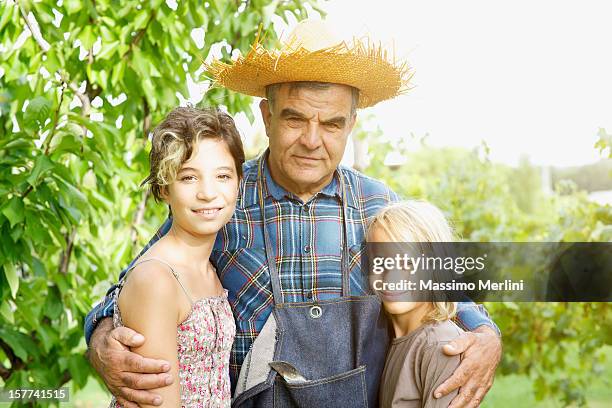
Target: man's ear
x,y
264,107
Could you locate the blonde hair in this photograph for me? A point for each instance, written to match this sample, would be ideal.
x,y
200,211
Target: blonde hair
x,y
417,221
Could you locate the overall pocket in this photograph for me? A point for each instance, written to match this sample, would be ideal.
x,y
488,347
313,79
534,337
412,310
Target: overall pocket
x,y
344,390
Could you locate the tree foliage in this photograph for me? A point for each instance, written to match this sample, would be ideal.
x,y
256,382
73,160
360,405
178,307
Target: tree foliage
x,y
81,85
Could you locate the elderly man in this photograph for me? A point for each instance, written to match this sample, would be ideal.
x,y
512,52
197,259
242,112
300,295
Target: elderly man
x,y
291,255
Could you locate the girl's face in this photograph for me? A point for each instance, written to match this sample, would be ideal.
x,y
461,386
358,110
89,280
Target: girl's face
x,y
203,196
394,301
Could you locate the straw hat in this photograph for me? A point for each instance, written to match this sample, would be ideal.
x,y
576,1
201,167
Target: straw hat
x,y
312,52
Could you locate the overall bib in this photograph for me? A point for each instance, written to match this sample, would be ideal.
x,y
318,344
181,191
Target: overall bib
x,y
318,354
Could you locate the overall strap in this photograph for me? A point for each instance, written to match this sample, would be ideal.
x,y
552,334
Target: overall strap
x,y
271,255
171,270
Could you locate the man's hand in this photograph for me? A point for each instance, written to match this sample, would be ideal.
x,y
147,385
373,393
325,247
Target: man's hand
x,y
481,353
127,375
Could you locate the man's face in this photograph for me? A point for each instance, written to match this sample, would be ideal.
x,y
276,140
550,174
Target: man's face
x,y
308,129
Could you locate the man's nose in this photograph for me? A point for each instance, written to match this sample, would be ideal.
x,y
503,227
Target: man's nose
x,y
311,138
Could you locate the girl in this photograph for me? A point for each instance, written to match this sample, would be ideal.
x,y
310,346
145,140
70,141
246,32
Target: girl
x,y
415,364
172,295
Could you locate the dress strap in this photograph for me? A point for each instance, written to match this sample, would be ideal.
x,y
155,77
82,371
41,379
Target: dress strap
x,y
176,275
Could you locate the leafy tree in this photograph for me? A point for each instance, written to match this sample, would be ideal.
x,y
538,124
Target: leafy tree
x,y
81,85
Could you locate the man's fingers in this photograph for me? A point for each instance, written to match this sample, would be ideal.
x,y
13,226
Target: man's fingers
x,y
138,364
127,337
140,397
460,344
465,398
479,395
126,404
452,383
145,381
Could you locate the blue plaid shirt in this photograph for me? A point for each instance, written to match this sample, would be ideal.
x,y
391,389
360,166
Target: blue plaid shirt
x,y
308,242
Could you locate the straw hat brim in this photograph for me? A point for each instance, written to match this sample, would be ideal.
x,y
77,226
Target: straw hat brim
x,y
363,66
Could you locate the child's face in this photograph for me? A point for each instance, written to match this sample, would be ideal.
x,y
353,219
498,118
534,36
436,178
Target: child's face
x,y
203,196
394,302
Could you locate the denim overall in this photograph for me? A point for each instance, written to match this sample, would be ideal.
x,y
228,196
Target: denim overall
x,y
327,353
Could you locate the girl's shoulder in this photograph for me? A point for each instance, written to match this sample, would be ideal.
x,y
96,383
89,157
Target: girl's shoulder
x,y
441,332
429,335
150,277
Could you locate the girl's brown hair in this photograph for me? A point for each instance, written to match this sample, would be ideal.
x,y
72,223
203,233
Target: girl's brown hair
x,y
176,136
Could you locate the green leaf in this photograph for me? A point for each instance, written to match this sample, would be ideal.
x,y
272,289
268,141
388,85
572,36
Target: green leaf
x,y
79,369
42,165
6,312
67,143
14,340
49,337
107,50
53,62
11,276
73,6
37,111
87,37
14,211
140,64
15,144
7,13
140,21
53,303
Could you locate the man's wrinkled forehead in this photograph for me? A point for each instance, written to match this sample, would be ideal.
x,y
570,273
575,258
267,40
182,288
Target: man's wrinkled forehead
x,y
293,89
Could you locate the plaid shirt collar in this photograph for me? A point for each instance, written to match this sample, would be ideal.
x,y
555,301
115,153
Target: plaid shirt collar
x,y
249,196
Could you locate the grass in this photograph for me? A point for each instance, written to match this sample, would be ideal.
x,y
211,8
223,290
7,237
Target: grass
x,y
513,391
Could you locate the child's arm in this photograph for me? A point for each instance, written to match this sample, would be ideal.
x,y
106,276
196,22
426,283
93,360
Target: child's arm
x,y
149,304
435,368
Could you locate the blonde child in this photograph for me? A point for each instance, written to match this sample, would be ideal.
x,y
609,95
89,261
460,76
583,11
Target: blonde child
x,y
415,364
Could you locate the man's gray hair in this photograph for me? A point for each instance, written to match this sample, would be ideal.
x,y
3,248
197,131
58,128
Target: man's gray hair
x,y
271,91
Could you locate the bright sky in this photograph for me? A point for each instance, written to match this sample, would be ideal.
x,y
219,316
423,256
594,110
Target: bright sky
x,y
528,77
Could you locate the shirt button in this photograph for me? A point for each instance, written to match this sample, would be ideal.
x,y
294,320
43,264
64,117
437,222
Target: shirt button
x,y
307,248
306,208
309,294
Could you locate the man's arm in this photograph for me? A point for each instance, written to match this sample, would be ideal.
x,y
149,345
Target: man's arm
x,y
481,349
471,316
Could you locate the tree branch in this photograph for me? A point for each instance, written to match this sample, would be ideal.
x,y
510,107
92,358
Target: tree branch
x,y
28,191
138,37
44,45
65,258
16,362
86,105
86,108
139,215
5,373
146,123
55,120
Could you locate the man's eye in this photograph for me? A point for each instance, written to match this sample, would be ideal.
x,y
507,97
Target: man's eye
x,y
332,126
225,177
295,121
187,178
